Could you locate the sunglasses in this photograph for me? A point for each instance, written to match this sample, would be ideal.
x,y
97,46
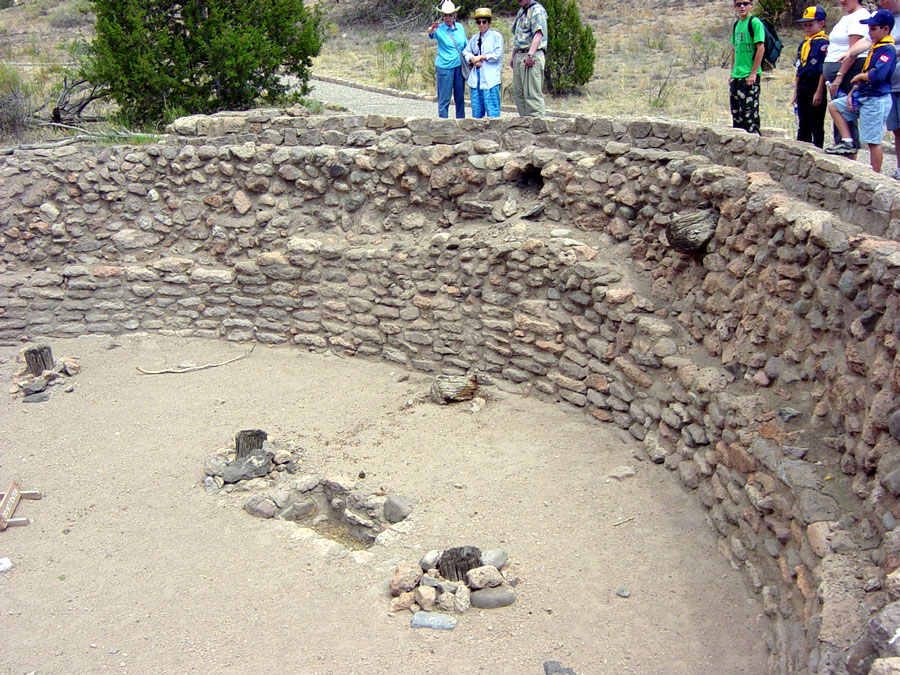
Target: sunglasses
x,y
481,21
742,4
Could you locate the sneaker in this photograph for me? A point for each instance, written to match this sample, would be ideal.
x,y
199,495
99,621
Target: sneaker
x,y
842,148
896,174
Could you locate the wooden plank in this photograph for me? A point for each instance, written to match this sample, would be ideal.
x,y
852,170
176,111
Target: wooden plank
x,y
8,503
26,494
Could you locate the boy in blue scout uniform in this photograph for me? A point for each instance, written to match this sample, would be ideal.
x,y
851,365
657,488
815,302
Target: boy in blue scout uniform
x,y
809,85
873,85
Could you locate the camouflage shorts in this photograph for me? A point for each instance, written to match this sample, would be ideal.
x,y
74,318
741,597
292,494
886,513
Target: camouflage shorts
x,y
745,105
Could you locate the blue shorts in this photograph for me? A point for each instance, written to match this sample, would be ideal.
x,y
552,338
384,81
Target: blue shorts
x,y
872,115
893,120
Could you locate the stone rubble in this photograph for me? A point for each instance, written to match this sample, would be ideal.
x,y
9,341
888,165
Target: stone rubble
x,y
36,388
419,588
270,473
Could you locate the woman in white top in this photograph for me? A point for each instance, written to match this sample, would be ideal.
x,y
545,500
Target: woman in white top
x,y
846,32
485,52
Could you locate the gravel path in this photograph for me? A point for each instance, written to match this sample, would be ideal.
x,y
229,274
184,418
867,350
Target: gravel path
x,y
364,102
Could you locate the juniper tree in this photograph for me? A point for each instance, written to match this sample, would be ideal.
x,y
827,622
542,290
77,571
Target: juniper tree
x,y
163,58
570,47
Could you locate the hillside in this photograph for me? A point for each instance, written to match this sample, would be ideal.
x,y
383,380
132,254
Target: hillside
x,y
652,59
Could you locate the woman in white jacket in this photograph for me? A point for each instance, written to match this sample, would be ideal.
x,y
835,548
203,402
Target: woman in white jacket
x,y
485,53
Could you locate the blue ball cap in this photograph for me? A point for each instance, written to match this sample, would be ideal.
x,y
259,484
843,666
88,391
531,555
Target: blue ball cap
x,y
815,13
880,18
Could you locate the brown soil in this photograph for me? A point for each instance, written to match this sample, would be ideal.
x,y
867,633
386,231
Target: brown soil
x,y
130,566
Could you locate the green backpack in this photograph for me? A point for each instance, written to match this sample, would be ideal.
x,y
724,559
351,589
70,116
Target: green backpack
x,y
772,44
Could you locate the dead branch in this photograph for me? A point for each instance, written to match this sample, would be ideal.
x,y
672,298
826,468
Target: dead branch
x,y
74,97
81,138
191,369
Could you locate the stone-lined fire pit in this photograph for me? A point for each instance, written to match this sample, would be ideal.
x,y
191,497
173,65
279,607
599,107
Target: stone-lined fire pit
x,y
42,372
449,582
337,507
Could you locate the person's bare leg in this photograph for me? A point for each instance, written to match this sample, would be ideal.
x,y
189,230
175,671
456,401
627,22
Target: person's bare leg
x,y
877,154
841,124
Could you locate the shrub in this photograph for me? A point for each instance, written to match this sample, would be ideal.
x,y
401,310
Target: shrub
x,y
37,8
570,48
395,62
71,14
15,101
160,59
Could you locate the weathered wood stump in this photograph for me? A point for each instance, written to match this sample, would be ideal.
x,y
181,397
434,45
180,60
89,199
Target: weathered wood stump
x,y
455,562
691,232
248,440
449,388
38,359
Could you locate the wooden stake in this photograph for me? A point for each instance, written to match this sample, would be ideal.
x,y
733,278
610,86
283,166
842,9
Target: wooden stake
x,y
38,359
248,440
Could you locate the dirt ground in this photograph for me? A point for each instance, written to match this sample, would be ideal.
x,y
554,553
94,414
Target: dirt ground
x,y
130,566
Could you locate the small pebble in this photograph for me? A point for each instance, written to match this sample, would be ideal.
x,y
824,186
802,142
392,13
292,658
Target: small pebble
x,y
787,413
622,472
5,564
623,592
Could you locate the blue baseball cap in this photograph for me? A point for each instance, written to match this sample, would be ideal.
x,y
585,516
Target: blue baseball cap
x,y
815,13
880,18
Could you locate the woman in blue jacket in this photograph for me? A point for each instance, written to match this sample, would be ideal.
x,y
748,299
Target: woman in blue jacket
x,y
451,40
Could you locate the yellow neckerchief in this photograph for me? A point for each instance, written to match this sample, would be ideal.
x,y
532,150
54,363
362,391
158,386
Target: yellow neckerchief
x,y
887,40
807,43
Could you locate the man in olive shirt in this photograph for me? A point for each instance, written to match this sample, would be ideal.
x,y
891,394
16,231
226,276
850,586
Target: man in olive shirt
x,y
529,43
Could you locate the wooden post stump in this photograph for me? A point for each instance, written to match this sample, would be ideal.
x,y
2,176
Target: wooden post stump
x,y
450,388
38,359
690,233
248,440
455,562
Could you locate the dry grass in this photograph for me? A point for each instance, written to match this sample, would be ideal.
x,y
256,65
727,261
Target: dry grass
x,y
661,60
663,63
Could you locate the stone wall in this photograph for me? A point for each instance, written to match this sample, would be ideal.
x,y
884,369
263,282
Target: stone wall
x,y
763,374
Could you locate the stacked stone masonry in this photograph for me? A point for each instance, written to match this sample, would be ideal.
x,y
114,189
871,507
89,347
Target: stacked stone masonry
x,y
764,374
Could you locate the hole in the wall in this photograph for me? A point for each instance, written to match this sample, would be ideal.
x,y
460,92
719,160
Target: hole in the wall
x,y
530,179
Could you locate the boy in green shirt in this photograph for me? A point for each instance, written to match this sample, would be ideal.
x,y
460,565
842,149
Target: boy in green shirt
x,y
748,39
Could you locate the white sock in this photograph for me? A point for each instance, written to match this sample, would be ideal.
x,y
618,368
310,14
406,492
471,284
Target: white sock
x,y
847,140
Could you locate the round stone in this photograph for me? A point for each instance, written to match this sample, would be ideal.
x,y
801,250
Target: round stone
x,y
492,598
430,559
894,425
496,557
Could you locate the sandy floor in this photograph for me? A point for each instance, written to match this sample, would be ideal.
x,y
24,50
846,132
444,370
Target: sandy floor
x,y
130,566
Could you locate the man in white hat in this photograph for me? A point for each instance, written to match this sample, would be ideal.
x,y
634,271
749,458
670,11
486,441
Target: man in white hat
x,y
529,42
451,40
